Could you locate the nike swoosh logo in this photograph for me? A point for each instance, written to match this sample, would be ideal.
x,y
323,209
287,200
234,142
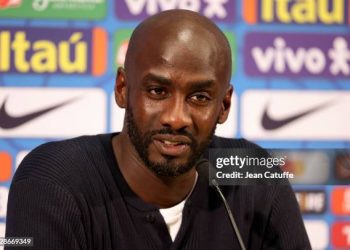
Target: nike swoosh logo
x,y
270,123
8,121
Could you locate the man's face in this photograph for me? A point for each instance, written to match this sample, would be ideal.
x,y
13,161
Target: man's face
x,y
174,101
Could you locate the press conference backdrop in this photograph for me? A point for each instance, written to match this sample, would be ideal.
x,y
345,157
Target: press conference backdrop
x,y
291,74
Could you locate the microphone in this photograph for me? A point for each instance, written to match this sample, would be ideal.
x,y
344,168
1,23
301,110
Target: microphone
x,y
230,215
204,163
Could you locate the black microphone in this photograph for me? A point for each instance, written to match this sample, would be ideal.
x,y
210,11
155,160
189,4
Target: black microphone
x,y
203,163
230,215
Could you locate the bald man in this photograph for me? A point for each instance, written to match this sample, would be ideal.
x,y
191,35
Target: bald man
x,y
140,188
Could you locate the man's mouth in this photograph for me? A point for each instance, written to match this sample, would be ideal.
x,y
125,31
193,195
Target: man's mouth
x,y
172,145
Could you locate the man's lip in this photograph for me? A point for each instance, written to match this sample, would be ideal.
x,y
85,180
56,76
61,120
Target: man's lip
x,y
172,145
173,139
174,149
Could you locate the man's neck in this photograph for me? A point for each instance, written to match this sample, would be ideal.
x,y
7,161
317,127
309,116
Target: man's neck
x,y
160,191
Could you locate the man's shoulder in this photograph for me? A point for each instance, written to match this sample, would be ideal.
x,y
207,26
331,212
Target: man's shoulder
x,y
64,149
58,160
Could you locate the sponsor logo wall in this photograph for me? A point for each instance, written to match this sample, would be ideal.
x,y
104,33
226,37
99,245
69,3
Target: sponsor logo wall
x,y
291,73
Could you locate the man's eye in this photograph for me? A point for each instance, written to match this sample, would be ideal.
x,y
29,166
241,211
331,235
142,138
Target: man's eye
x,y
157,91
200,98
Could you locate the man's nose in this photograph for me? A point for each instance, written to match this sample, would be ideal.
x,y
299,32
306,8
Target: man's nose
x,y
176,114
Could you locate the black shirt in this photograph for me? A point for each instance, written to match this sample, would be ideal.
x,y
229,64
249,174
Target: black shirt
x,y
72,195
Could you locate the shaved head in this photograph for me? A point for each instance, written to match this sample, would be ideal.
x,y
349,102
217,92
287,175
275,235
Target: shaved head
x,y
186,29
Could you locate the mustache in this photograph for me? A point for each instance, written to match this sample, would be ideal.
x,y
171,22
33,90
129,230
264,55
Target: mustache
x,y
170,131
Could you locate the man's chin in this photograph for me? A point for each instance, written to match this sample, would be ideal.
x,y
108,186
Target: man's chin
x,y
169,168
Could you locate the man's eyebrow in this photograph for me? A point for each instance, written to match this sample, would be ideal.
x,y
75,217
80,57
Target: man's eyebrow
x,y
202,84
194,85
150,77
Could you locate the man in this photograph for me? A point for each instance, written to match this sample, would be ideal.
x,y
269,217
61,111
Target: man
x,y
140,189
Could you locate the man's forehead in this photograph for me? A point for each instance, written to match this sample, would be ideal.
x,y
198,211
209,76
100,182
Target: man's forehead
x,y
169,59
183,45
180,39
186,45
177,26
184,31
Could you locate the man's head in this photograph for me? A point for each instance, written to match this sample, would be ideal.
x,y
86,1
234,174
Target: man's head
x,y
175,88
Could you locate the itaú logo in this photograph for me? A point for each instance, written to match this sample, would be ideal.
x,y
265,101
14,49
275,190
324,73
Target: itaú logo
x,y
296,11
69,51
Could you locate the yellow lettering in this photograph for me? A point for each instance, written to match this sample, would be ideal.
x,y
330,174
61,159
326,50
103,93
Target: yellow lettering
x,y
44,58
5,51
304,11
267,10
79,64
334,16
282,11
20,46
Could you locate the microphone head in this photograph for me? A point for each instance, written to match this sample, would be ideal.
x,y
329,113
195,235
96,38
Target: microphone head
x,y
202,166
214,182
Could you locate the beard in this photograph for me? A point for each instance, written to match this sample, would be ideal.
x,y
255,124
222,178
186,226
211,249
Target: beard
x,y
168,167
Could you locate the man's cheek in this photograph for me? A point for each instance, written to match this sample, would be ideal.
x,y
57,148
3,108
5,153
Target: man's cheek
x,y
151,107
206,114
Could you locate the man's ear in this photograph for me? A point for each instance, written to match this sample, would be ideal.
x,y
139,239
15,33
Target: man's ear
x,y
120,91
226,105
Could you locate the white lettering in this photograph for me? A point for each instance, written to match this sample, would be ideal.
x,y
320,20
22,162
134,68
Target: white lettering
x,y
263,60
164,5
280,45
315,60
135,6
215,8
295,59
280,57
193,5
340,55
315,202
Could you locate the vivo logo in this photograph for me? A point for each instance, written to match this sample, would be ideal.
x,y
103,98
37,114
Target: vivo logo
x,y
297,55
218,10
